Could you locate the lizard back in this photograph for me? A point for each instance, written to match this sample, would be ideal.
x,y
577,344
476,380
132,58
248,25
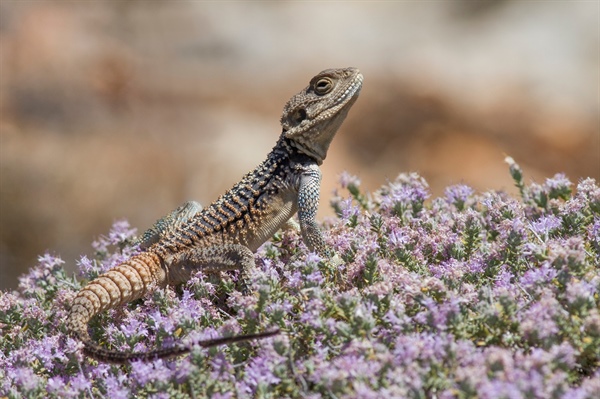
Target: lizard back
x,y
251,211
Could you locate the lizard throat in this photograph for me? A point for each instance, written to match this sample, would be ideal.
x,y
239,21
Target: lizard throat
x,y
317,154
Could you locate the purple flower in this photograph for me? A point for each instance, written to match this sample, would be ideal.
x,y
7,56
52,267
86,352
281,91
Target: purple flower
x,y
589,189
8,301
482,294
558,186
458,195
315,278
399,237
118,235
594,234
348,210
313,258
580,293
590,385
121,231
39,277
87,267
144,373
451,269
24,378
504,278
346,179
545,225
404,196
540,276
295,278
500,389
47,351
117,386
538,321
363,391
132,327
165,323
80,383
260,371
56,385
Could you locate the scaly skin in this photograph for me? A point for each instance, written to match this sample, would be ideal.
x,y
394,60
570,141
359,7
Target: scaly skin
x,y
225,235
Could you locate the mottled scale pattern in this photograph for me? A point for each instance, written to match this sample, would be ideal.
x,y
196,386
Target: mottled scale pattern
x,y
224,235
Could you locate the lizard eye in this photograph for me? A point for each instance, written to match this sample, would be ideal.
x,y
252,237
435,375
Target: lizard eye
x,y
299,115
323,86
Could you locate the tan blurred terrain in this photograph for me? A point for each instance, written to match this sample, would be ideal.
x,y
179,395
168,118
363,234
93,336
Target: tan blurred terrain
x,y
125,109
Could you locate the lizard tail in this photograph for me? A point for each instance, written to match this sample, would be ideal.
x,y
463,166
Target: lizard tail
x,y
130,280
116,357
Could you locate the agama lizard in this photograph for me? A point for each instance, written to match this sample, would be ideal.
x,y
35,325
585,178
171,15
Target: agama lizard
x,y
225,235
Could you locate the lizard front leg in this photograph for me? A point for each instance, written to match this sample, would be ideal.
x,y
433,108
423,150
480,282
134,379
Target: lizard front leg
x,y
308,203
211,259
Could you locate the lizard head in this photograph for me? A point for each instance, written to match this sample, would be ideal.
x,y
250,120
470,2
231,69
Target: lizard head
x,y
312,117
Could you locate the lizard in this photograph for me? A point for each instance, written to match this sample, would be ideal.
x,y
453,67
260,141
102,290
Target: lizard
x,y
225,235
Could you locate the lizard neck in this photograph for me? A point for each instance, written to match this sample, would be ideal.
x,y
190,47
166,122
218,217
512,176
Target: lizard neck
x,y
287,150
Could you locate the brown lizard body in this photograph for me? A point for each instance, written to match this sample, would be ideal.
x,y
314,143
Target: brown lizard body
x,y
225,235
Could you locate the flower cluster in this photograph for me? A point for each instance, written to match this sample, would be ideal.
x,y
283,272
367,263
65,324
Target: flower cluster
x,y
463,296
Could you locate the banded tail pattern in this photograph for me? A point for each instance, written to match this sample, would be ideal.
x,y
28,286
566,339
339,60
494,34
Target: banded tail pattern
x,y
130,280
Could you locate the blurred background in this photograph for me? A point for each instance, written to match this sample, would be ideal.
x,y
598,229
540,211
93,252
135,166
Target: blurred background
x,y
125,109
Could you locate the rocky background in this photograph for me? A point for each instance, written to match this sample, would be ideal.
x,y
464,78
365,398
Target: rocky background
x,y
125,109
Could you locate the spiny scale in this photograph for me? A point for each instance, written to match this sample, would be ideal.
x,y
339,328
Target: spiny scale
x,y
224,235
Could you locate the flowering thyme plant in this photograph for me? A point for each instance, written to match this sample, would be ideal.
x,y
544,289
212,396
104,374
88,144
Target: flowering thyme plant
x,y
463,296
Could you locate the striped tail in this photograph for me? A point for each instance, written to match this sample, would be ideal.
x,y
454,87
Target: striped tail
x,y
130,280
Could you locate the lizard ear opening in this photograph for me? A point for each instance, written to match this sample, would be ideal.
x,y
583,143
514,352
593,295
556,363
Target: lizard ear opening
x,y
299,115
